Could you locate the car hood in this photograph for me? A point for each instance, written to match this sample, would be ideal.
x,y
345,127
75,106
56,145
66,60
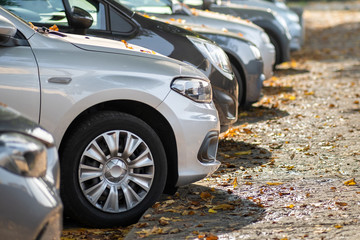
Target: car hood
x,y
223,18
13,121
97,44
203,29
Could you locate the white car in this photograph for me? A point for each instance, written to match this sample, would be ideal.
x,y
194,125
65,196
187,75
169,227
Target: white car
x,y
127,121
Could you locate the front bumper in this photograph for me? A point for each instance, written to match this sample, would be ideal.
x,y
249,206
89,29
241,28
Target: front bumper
x,y
254,81
194,125
296,33
268,55
225,96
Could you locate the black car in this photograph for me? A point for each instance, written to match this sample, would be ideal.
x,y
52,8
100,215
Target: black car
x,y
109,19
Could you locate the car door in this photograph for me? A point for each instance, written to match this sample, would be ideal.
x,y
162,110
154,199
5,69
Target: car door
x,y
19,80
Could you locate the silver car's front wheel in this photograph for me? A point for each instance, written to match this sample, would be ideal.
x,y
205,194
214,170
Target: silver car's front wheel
x,y
113,168
116,171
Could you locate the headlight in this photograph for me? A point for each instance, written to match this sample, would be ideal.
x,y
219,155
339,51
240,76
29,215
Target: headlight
x,y
22,155
197,90
255,51
215,54
265,37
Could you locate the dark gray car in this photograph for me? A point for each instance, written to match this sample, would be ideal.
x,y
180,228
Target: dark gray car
x,y
272,23
30,205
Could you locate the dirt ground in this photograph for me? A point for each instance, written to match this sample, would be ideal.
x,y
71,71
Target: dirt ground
x,y
290,165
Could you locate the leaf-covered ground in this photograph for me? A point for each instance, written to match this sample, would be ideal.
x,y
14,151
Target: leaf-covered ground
x,y
290,165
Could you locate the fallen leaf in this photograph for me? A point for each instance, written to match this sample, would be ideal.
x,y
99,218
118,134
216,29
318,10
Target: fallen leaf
x,y
206,196
234,183
142,225
338,226
350,182
163,221
243,153
290,206
211,237
224,206
212,211
274,183
341,204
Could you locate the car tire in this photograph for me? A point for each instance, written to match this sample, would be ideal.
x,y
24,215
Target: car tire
x,y
240,84
126,179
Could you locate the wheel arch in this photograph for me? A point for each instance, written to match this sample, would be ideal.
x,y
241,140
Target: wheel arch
x,y
146,113
239,66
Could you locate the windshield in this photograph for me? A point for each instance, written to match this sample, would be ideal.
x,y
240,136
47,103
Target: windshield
x,y
40,11
152,6
53,11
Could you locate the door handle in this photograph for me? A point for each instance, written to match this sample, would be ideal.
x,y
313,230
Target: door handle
x,y
60,80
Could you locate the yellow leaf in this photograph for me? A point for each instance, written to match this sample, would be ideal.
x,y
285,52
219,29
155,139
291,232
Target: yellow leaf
x,y
224,207
290,206
350,182
338,226
292,97
234,183
274,183
243,153
212,211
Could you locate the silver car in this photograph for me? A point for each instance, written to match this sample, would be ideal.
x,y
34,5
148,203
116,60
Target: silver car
x,y
172,9
30,202
292,20
128,122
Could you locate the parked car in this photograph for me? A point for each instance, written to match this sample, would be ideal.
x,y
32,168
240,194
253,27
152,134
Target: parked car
x,y
174,10
30,203
291,18
111,20
273,24
245,59
127,121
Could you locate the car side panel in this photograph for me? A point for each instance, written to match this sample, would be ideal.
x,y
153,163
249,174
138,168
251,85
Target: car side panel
x,y
90,78
19,83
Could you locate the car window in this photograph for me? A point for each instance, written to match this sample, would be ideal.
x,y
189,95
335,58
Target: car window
x,y
53,11
39,11
118,23
148,6
96,9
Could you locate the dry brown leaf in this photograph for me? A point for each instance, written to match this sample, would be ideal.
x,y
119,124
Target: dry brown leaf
x,y
206,196
341,204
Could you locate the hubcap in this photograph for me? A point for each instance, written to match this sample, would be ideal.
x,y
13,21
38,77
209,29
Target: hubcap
x,y
116,171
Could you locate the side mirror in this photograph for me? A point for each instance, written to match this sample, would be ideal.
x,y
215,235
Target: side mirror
x,y
80,20
7,30
207,4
